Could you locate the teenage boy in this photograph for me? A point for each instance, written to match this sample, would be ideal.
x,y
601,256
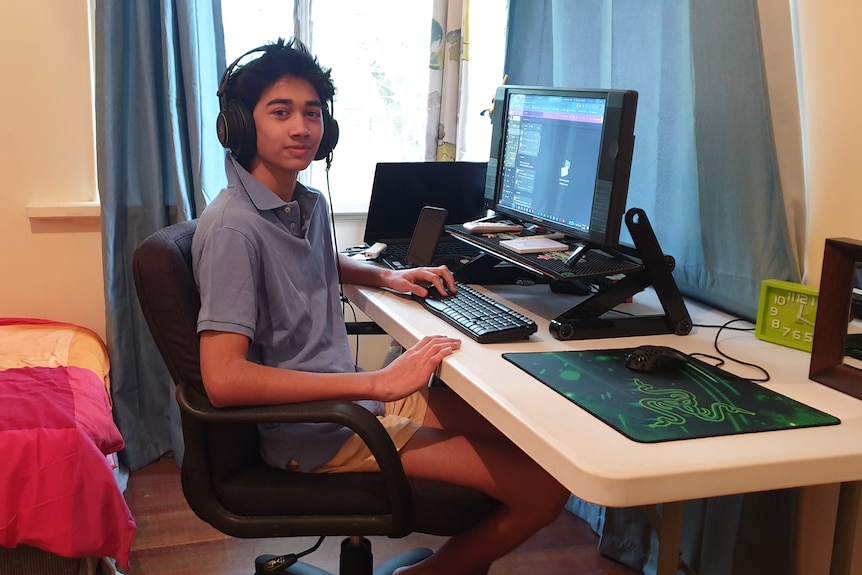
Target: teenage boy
x,y
272,330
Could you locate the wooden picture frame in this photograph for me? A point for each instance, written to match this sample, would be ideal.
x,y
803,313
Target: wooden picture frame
x,y
833,311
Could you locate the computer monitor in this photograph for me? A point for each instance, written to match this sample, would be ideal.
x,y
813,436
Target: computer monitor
x,y
561,158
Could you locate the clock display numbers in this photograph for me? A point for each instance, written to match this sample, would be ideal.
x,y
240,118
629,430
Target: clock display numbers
x,y
787,313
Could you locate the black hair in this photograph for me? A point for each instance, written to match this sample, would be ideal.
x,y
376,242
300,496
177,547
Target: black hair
x,y
248,82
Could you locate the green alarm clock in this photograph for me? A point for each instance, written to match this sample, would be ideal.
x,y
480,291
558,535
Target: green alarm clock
x,y
786,314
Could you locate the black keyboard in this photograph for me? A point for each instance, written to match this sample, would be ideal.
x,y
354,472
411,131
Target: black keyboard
x,y
479,316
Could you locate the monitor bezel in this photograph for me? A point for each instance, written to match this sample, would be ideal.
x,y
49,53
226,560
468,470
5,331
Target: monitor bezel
x,y
614,164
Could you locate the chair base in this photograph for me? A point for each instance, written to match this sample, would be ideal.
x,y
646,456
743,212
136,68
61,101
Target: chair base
x,y
355,560
306,569
407,558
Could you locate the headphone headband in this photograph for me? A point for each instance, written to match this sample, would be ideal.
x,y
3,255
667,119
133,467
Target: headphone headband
x,y
225,78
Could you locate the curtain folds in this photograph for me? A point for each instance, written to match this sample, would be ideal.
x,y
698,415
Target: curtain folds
x,y
448,65
717,167
705,167
157,72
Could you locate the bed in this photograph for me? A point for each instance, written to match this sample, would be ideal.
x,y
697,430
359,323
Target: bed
x,y
60,501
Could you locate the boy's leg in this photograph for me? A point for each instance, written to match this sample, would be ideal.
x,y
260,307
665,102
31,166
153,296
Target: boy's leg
x,y
459,446
446,410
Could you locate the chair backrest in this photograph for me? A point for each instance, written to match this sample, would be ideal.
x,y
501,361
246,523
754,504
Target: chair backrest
x,y
169,299
170,302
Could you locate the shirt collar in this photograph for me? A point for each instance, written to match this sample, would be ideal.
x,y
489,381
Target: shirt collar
x,y
262,197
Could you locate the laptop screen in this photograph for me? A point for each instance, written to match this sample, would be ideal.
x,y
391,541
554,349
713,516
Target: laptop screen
x,y
401,189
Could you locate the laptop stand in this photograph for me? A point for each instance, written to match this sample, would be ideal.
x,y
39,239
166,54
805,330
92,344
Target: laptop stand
x,y
584,321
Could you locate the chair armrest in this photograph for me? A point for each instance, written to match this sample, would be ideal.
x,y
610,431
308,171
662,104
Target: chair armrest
x,y
353,416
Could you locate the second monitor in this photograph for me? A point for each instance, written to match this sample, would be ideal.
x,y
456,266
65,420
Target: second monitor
x,y
560,161
561,158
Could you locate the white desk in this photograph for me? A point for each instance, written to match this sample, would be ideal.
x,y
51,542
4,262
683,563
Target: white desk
x,y
602,466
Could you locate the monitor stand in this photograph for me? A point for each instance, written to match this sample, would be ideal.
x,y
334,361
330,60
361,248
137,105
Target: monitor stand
x,y
584,321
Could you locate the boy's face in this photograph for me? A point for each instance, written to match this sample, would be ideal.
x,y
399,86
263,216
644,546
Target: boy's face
x,y
289,122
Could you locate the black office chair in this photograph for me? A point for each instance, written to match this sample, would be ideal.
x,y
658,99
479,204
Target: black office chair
x,y
227,484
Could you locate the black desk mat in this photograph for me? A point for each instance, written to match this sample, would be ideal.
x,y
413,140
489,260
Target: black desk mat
x,y
696,401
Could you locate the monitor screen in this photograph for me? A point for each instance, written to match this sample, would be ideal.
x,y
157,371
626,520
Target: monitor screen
x,y
561,158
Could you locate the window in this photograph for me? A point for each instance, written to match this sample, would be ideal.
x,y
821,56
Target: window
x,y
379,55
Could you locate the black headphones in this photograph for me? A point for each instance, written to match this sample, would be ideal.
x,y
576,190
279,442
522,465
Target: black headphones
x,y
235,123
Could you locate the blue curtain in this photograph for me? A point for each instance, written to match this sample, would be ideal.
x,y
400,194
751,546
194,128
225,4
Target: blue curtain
x,y
704,170
158,66
704,167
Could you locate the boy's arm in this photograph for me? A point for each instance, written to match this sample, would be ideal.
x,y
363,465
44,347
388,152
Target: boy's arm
x,y
411,280
231,380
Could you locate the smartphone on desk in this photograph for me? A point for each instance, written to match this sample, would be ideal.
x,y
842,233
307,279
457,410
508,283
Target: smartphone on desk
x,y
426,236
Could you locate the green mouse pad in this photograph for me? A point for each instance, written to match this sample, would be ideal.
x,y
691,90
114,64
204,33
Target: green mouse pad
x,y
698,400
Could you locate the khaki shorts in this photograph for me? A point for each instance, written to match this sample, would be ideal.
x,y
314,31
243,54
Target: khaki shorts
x,y
401,419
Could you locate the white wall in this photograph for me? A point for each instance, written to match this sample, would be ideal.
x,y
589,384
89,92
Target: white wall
x,y
51,268
832,79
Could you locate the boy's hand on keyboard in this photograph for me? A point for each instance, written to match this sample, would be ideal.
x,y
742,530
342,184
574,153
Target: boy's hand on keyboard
x,y
422,281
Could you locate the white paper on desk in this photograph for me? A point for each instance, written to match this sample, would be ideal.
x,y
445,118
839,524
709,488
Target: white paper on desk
x,y
533,245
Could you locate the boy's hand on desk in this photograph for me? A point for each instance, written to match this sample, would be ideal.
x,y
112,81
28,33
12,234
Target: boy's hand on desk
x,y
412,370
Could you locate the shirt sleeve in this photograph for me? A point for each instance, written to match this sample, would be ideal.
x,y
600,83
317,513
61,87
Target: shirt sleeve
x,y
227,276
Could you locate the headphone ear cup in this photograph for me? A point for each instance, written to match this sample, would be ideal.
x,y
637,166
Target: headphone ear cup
x,y
330,137
236,130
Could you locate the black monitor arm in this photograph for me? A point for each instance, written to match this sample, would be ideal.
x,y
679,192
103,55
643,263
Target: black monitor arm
x,y
584,321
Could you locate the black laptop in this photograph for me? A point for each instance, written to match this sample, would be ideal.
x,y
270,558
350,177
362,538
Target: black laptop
x,y
400,191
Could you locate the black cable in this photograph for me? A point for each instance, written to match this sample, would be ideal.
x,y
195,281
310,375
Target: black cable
x,y
334,235
719,361
355,320
724,326
342,297
265,564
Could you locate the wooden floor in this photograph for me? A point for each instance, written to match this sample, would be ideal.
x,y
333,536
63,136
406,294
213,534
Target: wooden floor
x,y
171,540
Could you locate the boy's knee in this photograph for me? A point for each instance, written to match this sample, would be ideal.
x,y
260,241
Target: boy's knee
x,y
544,505
554,499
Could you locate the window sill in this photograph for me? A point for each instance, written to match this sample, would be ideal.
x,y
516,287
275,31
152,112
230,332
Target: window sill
x,y
350,216
64,210
74,210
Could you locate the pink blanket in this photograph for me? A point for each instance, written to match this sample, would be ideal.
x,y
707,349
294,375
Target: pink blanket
x,y
57,488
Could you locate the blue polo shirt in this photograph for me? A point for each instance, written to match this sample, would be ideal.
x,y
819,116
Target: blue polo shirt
x,y
266,269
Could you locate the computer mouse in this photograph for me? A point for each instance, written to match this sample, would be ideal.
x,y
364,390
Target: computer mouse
x,y
655,359
432,291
